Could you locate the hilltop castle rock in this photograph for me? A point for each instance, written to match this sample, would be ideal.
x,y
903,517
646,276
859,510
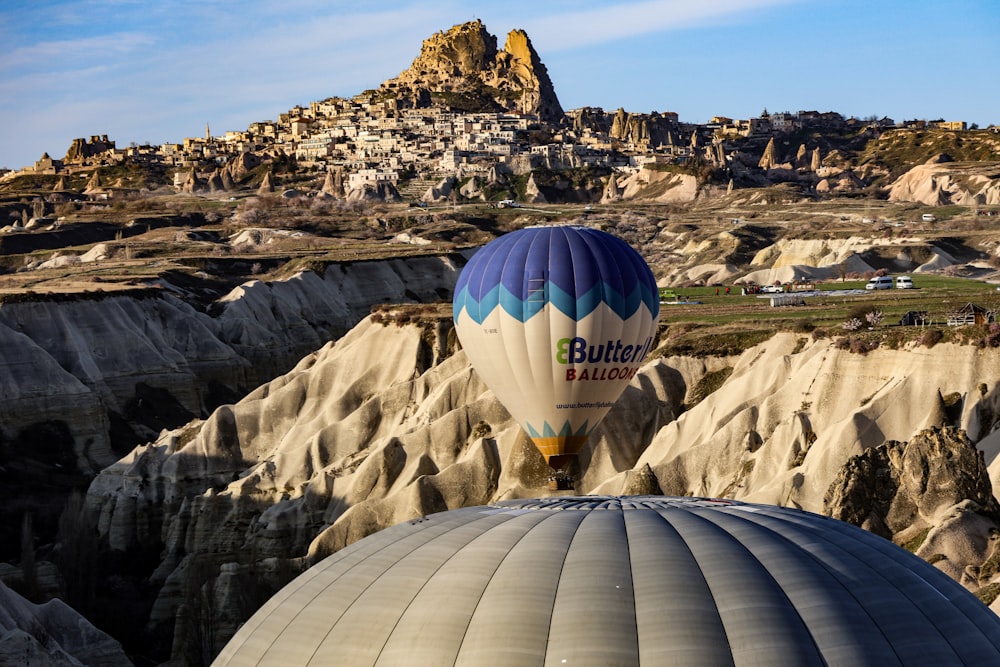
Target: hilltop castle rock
x,y
462,69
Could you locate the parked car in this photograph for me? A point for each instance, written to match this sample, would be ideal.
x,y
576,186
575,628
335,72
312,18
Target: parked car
x,y
772,289
880,282
904,282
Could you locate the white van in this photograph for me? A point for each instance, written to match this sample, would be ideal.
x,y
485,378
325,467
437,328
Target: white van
x,y
928,217
904,282
880,282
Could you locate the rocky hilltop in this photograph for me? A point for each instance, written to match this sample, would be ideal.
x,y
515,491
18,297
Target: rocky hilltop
x,y
462,69
468,122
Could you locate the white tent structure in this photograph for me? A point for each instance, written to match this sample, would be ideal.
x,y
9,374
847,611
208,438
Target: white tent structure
x,y
603,580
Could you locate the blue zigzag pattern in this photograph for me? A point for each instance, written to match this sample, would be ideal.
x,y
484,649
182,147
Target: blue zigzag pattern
x,y
573,268
575,308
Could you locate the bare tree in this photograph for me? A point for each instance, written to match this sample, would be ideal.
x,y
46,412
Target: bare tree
x,y
77,557
29,568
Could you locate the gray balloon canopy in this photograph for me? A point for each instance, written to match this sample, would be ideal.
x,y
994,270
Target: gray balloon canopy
x,y
644,580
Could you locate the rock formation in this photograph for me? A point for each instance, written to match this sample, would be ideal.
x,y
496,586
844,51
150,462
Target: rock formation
x,y
390,423
943,182
612,192
266,184
382,191
241,165
461,68
906,487
816,160
216,183
932,494
52,634
333,183
768,160
94,185
192,183
81,149
660,186
95,363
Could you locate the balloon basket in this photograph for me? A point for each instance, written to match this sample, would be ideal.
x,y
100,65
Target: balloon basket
x,y
562,481
564,468
561,484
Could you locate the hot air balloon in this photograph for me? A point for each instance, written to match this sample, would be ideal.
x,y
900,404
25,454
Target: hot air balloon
x,y
556,320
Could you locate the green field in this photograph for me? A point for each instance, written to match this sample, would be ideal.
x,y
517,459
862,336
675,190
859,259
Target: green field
x,y
728,324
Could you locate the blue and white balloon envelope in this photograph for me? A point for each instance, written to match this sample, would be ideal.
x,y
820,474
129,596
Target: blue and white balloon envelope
x,y
557,320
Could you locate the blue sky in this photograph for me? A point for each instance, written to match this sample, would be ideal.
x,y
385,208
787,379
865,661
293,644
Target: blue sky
x,y
154,72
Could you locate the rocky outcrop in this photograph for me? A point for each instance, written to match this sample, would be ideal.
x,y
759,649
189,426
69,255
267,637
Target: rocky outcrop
x,y
192,183
81,149
660,185
906,487
462,69
333,183
239,166
784,423
266,184
941,183
217,181
769,159
788,260
52,634
382,191
932,495
273,324
94,185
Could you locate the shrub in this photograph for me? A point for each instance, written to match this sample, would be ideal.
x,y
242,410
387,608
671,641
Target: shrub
x,y
860,345
988,593
992,337
708,384
862,311
931,337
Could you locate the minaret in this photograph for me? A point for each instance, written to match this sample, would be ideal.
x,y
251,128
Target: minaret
x,y
208,133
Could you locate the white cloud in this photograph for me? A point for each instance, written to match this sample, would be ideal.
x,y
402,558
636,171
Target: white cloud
x,y
69,51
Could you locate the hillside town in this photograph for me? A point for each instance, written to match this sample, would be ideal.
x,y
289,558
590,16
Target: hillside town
x,y
367,141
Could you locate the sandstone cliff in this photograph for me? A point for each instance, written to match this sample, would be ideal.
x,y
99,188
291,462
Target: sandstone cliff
x,y
390,423
461,68
112,371
660,186
943,182
80,362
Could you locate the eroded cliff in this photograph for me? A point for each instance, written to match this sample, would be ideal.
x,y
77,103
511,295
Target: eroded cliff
x,y
390,423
